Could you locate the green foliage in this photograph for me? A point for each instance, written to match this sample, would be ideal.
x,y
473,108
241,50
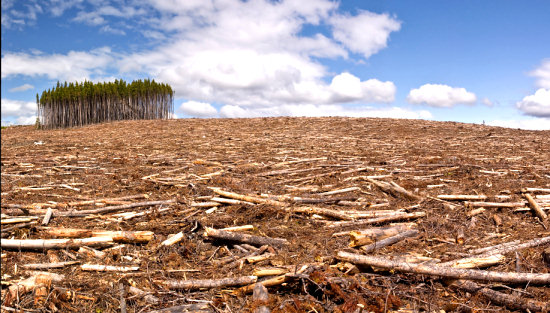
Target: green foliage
x,y
76,104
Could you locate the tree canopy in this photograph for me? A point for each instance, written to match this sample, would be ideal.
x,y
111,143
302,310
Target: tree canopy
x,y
77,104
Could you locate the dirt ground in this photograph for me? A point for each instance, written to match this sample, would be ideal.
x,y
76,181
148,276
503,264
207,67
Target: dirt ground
x,y
267,157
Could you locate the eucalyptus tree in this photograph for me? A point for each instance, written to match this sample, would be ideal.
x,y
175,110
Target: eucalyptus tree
x,y
76,104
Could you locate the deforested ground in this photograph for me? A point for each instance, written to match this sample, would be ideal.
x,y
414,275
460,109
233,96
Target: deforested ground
x,y
300,185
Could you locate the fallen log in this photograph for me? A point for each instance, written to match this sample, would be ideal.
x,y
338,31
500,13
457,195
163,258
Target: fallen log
x,y
117,236
80,213
108,268
510,301
509,247
244,238
477,204
206,283
322,211
44,266
38,280
462,197
147,296
536,208
377,220
389,241
187,308
257,200
371,235
394,189
44,244
447,272
475,262
172,239
260,296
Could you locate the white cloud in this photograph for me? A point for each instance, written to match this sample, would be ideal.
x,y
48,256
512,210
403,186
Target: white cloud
x,y
197,109
437,95
75,65
347,88
312,110
542,73
15,108
366,33
487,102
109,29
537,104
530,124
22,88
26,15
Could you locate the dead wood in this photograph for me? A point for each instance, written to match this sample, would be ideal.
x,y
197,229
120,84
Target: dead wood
x,y
322,211
116,236
368,236
536,208
477,204
462,197
187,308
389,241
476,261
207,283
38,280
244,238
147,296
510,301
448,272
378,220
510,247
44,266
107,268
44,244
394,189
260,296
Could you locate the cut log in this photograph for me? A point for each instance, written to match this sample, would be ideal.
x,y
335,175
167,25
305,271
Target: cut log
x,y
510,301
117,236
322,211
207,283
371,235
252,199
147,296
231,201
75,213
44,266
462,197
505,248
44,244
338,191
172,239
477,204
389,241
244,238
39,279
536,208
448,272
394,189
187,308
92,252
378,220
108,268
475,262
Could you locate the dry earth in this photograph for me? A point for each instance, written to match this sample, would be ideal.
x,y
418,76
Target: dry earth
x,y
265,158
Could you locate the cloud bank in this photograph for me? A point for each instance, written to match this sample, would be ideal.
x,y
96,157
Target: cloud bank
x,y
437,95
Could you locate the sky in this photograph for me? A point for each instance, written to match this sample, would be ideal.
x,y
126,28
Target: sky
x,y
466,61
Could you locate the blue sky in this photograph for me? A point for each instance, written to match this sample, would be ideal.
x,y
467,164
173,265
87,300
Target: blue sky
x,y
466,61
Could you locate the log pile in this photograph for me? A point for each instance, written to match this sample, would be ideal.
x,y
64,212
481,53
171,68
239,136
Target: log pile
x,y
275,215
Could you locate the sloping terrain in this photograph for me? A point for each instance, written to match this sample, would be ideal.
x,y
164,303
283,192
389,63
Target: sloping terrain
x,y
303,184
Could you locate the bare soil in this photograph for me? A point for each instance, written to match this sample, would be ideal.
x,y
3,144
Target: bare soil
x,y
297,157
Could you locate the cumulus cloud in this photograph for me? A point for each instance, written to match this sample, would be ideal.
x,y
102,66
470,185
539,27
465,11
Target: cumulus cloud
x,y
24,112
529,124
252,56
197,109
537,104
437,95
487,102
365,33
22,88
312,110
75,65
542,73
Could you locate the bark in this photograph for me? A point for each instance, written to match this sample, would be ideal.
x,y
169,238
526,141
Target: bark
x,y
207,283
536,208
510,301
394,189
117,236
377,220
475,262
37,280
43,244
368,236
244,238
448,272
389,241
260,296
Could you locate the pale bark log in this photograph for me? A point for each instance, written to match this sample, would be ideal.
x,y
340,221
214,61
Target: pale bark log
x,y
462,197
389,241
207,283
449,272
108,268
383,219
322,211
92,252
117,236
231,201
55,243
244,238
477,204
208,204
29,284
261,272
510,301
77,213
147,296
187,308
252,199
17,220
371,235
475,262
339,191
536,208
505,248
238,228
171,240
43,266
546,190
394,189
47,217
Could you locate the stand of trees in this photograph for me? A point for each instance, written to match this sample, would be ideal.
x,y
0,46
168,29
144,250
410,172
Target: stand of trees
x,y
77,104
